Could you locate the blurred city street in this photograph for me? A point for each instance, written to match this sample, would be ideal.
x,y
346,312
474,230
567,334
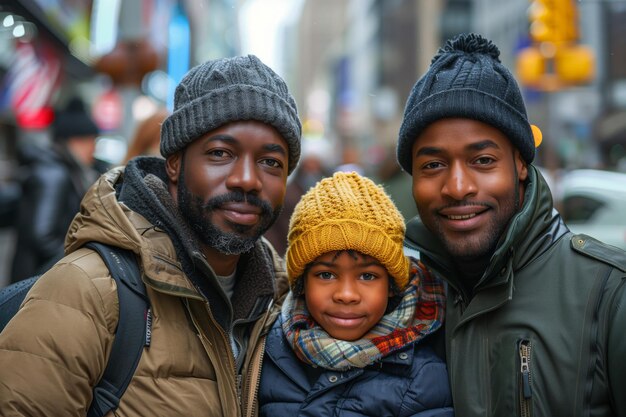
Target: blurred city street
x,y
349,63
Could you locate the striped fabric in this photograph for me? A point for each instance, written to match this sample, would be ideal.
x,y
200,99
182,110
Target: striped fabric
x,y
420,313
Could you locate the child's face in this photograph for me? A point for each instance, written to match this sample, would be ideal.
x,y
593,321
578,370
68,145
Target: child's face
x,y
346,292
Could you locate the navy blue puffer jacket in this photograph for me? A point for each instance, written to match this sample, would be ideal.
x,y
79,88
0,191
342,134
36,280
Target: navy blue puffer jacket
x,y
412,381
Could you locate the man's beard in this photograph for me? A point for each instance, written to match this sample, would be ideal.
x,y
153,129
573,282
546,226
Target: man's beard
x,y
478,246
198,216
481,246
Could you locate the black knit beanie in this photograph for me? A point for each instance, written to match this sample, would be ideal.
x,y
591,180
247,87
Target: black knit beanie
x,y
227,90
467,80
73,121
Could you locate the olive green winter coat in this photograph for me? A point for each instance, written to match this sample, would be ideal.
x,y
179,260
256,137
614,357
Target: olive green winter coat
x,y
56,348
543,334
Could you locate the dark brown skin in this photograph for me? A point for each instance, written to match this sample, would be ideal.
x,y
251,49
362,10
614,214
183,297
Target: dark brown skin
x,y
468,181
249,157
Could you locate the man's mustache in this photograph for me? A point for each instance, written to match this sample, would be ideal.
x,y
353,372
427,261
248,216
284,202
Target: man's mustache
x,y
238,197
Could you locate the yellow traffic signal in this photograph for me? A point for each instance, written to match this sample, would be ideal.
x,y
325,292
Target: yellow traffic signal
x,y
574,64
554,21
571,65
543,24
566,20
530,66
555,60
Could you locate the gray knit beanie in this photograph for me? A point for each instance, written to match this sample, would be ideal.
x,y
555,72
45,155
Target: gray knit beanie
x,y
467,80
227,90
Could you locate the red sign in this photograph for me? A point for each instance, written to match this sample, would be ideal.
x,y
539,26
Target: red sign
x,y
107,111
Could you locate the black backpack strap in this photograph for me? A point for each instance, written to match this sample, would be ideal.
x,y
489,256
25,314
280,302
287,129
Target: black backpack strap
x,y
132,329
11,298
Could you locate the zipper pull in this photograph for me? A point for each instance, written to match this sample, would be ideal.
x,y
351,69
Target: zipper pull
x,y
148,338
524,352
458,299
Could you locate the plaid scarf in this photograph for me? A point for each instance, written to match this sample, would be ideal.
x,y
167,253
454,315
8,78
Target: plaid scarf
x,y
419,313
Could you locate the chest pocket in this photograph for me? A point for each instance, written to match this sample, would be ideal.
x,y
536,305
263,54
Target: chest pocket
x,y
510,372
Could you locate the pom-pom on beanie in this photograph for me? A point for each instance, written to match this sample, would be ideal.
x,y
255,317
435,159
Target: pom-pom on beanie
x,y
347,212
467,80
227,90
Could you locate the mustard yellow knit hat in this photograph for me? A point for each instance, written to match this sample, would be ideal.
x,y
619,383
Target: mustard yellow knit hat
x,y
347,211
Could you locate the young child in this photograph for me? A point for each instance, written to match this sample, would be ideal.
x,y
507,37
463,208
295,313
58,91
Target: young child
x,y
348,341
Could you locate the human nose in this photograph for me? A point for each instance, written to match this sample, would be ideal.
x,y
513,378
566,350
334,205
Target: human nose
x,y
244,175
346,292
459,183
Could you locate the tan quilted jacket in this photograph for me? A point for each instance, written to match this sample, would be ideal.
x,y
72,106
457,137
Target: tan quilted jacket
x,y
56,348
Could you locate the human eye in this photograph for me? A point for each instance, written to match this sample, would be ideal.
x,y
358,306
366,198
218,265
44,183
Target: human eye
x,y
429,166
218,153
432,165
272,162
325,275
368,276
484,160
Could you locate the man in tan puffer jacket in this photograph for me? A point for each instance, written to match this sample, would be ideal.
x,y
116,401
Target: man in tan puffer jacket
x,y
194,221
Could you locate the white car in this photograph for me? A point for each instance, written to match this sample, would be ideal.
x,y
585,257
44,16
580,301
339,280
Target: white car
x,y
593,202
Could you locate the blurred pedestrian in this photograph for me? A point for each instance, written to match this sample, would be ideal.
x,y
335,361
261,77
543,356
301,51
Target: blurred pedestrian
x,y
147,136
310,170
55,179
535,315
350,160
10,192
396,182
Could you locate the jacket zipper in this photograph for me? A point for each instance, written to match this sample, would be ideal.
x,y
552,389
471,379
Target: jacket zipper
x,y
460,302
231,355
204,340
525,376
255,365
254,379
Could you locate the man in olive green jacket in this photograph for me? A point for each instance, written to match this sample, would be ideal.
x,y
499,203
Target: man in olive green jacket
x,y
535,315
194,221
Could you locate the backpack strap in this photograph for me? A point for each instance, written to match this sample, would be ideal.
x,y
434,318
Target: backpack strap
x,y
132,332
11,298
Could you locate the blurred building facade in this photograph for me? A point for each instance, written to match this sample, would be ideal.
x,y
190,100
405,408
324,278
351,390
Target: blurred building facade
x,y
350,64
122,57
354,62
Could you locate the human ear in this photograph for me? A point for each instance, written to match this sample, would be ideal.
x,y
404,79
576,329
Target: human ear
x,y
172,167
521,167
392,289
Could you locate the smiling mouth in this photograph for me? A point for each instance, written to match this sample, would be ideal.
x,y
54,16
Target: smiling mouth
x,y
346,321
461,217
242,218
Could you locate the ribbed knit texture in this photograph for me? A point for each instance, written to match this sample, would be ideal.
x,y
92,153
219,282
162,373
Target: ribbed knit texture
x,y
467,80
347,211
227,90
